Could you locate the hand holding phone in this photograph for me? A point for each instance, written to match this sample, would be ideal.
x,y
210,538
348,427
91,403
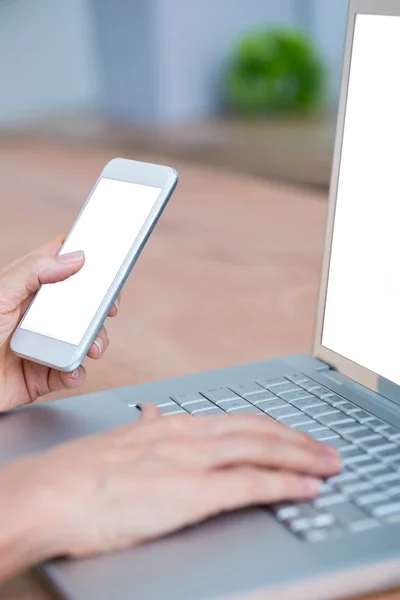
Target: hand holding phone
x,y
111,229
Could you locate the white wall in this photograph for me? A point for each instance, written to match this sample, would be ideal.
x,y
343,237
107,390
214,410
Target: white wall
x,y
194,40
161,59
47,57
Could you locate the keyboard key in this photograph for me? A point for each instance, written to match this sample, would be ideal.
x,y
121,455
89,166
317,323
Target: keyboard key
x,y
325,488
262,397
312,427
172,410
316,411
354,455
310,519
296,395
309,385
247,389
277,413
346,449
354,487
306,401
347,513
318,433
164,402
341,444
214,410
384,476
393,519
182,399
297,378
383,510
306,510
334,418
370,498
392,490
362,416
389,456
377,424
325,501
219,394
201,405
391,433
367,466
322,392
238,402
321,535
274,382
282,389
347,407
361,435
378,445
243,410
395,463
297,421
326,436
343,477
344,428
289,415
363,525
334,400
285,511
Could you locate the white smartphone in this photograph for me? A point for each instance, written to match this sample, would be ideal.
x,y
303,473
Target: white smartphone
x,y
112,228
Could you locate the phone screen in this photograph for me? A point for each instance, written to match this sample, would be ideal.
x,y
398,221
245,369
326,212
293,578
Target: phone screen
x,y
105,231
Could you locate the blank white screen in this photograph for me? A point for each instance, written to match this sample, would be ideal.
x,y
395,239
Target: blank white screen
x,y
106,230
362,317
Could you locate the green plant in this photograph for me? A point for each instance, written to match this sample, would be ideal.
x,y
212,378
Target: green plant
x,y
275,71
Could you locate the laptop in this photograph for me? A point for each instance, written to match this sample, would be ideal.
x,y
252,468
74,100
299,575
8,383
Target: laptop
x,y
348,393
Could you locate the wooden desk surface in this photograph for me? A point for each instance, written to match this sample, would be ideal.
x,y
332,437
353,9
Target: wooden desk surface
x,y
230,275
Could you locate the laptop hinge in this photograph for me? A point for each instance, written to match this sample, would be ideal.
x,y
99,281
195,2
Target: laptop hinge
x,y
320,366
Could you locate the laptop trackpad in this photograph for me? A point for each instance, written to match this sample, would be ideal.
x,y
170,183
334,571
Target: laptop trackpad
x,y
42,426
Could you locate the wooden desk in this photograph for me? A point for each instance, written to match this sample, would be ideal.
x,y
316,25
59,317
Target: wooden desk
x,y
230,275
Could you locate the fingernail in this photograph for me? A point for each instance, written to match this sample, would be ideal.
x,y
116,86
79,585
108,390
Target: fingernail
x,y
75,374
313,484
72,257
99,343
116,303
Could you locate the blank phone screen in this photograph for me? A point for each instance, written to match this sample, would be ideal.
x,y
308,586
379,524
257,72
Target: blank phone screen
x,y
105,231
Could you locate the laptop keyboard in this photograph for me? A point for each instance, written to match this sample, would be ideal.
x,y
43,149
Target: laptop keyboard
x,y
365,495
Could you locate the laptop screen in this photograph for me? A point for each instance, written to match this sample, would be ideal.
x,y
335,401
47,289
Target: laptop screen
x,y
362,313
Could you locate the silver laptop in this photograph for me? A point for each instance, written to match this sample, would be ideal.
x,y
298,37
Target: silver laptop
x,y
348,393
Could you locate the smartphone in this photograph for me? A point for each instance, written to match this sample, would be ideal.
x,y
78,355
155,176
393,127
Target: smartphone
x,y
112,228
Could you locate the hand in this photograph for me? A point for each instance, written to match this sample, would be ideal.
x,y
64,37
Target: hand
x,y
151,478
22,381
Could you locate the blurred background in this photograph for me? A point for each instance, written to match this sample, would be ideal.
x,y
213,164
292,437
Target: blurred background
x,y
244,85
240,96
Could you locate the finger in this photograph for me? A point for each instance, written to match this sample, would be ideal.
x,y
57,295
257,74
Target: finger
x,y
251,424
237,488
99,345
149,413
24,278
58,380
115,307
234,450
233,489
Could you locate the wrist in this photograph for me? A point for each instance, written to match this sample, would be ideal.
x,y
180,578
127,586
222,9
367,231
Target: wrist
x,y
27,536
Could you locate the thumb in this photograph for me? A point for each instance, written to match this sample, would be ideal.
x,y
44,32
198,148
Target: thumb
x,y
23,278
